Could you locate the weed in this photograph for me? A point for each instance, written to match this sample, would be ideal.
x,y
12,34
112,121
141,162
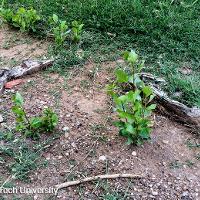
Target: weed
x,y
33,126
23,19
175,164
197,156
192,144
6,14
60,30
189,163
77,29
22,157
133,101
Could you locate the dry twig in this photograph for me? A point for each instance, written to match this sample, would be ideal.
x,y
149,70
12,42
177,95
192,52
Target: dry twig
x,y
94,178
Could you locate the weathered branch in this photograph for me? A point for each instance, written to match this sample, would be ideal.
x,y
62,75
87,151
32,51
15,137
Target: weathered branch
x,y
172,108
94,178
177,110
27,67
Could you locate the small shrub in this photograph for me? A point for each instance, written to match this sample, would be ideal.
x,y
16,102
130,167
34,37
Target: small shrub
x,y
77,29
6,14
23,19
31,127
133,101
60,30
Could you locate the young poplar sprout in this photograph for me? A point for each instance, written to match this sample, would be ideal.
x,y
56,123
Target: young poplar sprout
x,y
132,99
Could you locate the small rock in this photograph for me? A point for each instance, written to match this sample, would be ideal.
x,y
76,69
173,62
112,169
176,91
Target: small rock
x,y
102,158
165,141
154,193
43,102
184,194
134,153
65,129
66,134
67,154
1,118
185,71
60,157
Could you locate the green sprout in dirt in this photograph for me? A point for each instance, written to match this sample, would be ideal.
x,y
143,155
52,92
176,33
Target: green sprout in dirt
x,y
6,14
31,127
77,29
60,30
133,101
23,18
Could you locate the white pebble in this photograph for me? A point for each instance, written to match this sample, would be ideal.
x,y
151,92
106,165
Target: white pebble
x,y
102,158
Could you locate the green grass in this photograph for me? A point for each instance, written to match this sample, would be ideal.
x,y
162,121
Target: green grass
x,y
165,33
20,156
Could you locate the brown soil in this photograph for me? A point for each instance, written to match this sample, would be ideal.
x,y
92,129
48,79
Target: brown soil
x,y
16,46
83,106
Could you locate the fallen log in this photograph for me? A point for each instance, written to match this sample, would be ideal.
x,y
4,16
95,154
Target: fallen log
x,y
177,111
171,108
27,67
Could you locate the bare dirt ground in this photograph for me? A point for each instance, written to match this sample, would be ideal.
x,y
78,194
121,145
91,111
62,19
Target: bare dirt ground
x,y
92,146
15,47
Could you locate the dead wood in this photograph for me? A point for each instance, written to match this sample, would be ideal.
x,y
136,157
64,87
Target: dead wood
x,y
171,108
94,178
26,68
177,110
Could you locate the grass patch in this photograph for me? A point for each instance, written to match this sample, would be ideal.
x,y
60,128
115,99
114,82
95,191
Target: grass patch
x,y
21,156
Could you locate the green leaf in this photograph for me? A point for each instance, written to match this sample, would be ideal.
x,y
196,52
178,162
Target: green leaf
x,y
18,99
119,123
147,91
123,98
129,141
130,128
18,111
144,133
151,107
128,116
122,77
126,55
137,81
151,98
36,122
132,58
55,18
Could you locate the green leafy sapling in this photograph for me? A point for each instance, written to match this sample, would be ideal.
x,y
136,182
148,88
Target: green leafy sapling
x,y
31,127
21,117
6,14
132,99
59,29
77,29
25,19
